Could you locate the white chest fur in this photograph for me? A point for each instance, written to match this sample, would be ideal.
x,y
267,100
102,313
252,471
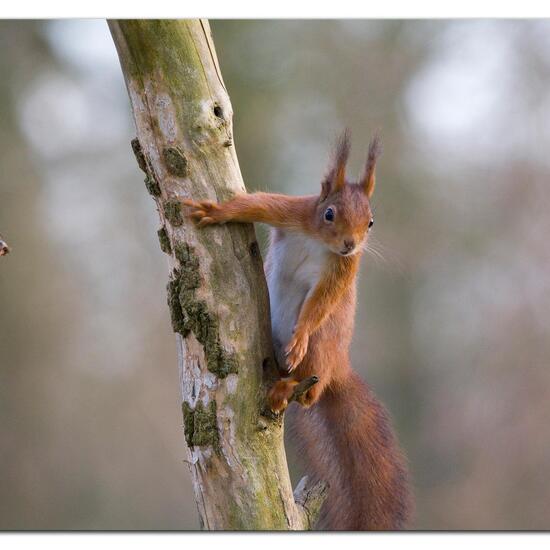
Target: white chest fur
x,y
296,263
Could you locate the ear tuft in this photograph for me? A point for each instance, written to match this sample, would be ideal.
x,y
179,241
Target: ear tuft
x,y
341,155
336,177
368,181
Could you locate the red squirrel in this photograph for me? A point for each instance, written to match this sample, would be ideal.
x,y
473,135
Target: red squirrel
x,y
311,268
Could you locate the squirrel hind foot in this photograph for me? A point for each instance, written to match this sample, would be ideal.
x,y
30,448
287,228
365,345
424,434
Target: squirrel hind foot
x,y
305,392
279,394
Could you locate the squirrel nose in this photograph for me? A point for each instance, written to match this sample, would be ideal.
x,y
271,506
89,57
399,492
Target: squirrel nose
x,y
349,244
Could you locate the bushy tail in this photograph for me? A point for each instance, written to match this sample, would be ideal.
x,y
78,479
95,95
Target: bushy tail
x,y
347,440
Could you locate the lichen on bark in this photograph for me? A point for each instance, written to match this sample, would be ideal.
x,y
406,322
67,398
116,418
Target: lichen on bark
x,y
200,425
164,241
191,314
172,212
152,185
176,313
138,152
175,161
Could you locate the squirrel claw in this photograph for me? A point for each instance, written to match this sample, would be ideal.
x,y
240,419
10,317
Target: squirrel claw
x,y
271,414
203,212
205,221
296,350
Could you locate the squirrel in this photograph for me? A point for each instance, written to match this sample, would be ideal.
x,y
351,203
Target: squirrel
x,y
311,268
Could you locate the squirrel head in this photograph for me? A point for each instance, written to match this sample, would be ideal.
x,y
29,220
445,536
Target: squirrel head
x,y
343,214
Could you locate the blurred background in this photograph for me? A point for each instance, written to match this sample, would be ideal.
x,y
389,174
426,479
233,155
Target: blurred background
x,y
453,325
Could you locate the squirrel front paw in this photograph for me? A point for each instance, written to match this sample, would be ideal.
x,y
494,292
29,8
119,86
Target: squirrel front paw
x,y
296,349
204,212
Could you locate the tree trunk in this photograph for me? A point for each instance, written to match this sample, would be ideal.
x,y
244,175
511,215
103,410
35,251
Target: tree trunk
x,y
217,293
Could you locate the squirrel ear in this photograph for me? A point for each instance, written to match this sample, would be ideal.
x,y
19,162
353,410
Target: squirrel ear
x,y
336,177
368,181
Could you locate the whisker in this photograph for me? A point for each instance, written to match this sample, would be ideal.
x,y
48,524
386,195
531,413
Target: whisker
x,y
375,254
382,254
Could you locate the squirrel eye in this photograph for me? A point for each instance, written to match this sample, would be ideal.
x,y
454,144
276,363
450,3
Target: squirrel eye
x,y
371,223
329,215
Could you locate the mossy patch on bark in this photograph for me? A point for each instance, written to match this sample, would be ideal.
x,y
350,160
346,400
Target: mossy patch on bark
x,y
190,314
176,314
140,157
175,161
164,241
189,264
200,424
172,212
152,185
151,182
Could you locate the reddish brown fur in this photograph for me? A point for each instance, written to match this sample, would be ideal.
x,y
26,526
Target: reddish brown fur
x,y
337,177
346,436
347,440
368,181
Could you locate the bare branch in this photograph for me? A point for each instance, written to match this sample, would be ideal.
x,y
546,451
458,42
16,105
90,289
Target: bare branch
x,y
309,496
4,248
